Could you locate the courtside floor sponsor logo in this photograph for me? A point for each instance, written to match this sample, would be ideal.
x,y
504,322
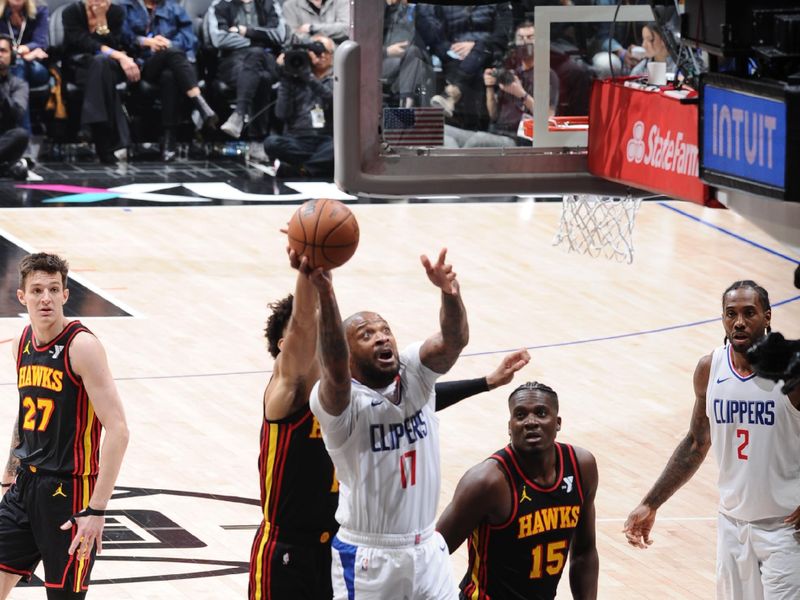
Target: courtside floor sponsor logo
x,y
153,535
668,151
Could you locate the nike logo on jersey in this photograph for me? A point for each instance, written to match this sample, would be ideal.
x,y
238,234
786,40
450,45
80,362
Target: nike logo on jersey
x,y
57,351
567,485
377,401
722,379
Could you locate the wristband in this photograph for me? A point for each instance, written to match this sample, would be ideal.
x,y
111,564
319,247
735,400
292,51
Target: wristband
x,y
87,512
108,51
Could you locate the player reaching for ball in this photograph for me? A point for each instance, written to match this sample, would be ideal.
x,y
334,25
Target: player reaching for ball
x,y
376,408
291,552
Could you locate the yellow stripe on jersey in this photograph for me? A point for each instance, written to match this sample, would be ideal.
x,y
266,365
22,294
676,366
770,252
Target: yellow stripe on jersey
x,y
87,452
260,561
476,566
269,469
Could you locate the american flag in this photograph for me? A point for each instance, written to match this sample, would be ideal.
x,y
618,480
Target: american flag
x,y
413,126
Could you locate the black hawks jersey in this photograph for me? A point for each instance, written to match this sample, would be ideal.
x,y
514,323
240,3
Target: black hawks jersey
x,y
58,430
523,558
299,490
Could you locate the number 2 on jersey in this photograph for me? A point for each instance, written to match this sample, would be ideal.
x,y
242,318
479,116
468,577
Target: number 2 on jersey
x,y
745,434
45,405
408,459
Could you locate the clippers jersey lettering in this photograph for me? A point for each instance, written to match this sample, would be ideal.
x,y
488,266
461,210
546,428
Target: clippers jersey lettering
x,y
385,447
58,429
523,558
299,491
755,433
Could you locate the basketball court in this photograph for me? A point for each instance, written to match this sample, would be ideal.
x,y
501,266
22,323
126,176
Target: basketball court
x,y
618,342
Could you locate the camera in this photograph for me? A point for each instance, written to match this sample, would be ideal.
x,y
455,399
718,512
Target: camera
x,y
503,76
296,63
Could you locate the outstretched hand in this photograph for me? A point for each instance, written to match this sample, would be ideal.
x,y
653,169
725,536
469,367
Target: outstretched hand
x,y
638,526
505,371
89,533
441,274
319,277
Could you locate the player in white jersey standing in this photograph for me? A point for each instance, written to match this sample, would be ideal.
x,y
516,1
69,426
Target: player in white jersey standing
x,y
376,410
755,432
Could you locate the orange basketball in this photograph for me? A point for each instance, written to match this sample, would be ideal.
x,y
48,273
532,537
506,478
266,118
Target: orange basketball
x,y
324,231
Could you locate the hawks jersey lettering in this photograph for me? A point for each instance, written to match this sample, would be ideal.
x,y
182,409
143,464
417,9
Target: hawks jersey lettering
x,y
523,558
385,447
299,491
58,429
755,433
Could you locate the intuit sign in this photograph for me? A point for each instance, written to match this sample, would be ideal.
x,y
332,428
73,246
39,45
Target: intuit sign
x,y
744,136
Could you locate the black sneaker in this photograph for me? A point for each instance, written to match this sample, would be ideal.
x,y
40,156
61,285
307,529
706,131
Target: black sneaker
x,y
19,170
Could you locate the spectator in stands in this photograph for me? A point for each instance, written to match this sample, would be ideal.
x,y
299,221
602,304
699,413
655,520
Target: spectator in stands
x,y
248,34
13,104
305,105
96,48
623,43
466,39
26,23
330,18
655,50
166,54
508,98
407,68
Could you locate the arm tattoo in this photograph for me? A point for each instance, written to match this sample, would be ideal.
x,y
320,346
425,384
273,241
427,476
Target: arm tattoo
x,y
333,352
684,463
13,461
453,320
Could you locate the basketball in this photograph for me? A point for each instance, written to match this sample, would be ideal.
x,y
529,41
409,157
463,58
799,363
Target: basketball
x,y
325,231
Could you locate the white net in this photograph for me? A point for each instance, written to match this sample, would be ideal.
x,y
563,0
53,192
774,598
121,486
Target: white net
x,y
598,225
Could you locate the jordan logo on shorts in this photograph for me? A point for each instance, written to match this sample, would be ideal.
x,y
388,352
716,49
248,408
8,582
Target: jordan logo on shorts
x,y
524,495
59,491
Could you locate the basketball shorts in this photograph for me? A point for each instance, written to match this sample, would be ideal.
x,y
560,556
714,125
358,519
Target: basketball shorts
x,y
289,566
757,560
31,514
392,567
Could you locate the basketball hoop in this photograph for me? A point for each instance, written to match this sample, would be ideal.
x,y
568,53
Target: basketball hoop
x,y
598,225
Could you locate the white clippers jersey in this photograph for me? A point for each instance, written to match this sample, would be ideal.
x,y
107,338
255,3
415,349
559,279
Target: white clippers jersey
x,y
386,452
755,433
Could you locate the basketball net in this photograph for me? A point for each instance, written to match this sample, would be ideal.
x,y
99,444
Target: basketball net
x,y
598,225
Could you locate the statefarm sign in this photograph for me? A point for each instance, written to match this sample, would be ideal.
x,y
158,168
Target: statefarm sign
x,y
645,139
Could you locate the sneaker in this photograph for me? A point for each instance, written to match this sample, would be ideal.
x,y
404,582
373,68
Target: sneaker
x,y
445,103
234,125
256,153
19,170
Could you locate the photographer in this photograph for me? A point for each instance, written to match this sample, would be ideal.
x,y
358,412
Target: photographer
x,y
305,105
13,104
248,34
508,98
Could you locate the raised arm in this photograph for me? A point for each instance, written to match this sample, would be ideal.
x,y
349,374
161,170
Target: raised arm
x,y
296,368
332,350
452,392
482,494
88,359
440,351
584,563
683,464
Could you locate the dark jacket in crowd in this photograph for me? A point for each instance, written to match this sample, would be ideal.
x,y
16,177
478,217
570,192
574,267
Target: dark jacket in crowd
x,y
13,101
170,20
441,26
298,97
35,34
79,40
272,32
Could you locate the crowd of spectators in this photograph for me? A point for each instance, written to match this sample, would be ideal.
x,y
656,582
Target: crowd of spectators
x,y
265,67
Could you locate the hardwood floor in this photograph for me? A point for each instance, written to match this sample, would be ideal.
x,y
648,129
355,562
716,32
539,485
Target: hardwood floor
x,y
618,342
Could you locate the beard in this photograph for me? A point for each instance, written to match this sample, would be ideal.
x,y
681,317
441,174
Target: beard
x,y
375,377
